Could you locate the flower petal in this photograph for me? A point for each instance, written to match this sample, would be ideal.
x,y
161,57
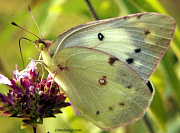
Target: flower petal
x,y
32,66
16,72
4,80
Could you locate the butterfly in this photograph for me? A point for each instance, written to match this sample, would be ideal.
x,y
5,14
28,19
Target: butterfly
x,y
104,66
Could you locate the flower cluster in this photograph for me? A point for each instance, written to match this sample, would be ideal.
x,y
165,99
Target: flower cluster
x,y
30,97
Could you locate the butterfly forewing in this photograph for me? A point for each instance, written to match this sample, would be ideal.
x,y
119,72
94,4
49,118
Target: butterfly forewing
x,y
138,40
101,87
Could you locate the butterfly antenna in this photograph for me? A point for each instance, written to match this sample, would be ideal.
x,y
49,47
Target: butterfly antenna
x,y
20,48
24,38
24,30
34,21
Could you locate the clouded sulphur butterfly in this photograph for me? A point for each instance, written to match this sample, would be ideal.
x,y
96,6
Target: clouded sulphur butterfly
x,y
104,66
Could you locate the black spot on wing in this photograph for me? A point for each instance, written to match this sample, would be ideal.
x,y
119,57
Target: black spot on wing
x,y
112,60
100,36
104,77
51,54
97,112
129,86
150,86
62,68
121,103
125,17
147,32
139,16
110,108
137,50
130,60
103,81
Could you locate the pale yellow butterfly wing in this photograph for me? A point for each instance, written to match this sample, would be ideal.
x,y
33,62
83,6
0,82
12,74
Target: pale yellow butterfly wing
x,y
101,87
104,66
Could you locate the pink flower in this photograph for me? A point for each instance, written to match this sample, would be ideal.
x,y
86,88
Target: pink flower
x,y
31,97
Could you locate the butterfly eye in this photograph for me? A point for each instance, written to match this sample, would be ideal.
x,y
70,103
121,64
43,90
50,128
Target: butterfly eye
x,y
41,46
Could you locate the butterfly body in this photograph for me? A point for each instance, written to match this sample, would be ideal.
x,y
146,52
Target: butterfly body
x,y
104,66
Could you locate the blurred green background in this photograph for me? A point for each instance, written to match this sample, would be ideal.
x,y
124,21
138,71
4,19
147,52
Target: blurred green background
x,y
56,16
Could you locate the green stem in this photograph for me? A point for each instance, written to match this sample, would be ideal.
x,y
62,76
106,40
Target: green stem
x,y
34,129
92,11
148,125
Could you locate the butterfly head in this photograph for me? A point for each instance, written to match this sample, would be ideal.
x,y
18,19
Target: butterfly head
x,y
42,45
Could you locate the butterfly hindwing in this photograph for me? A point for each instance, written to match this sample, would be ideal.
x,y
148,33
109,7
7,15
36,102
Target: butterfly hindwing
x,y
101,87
